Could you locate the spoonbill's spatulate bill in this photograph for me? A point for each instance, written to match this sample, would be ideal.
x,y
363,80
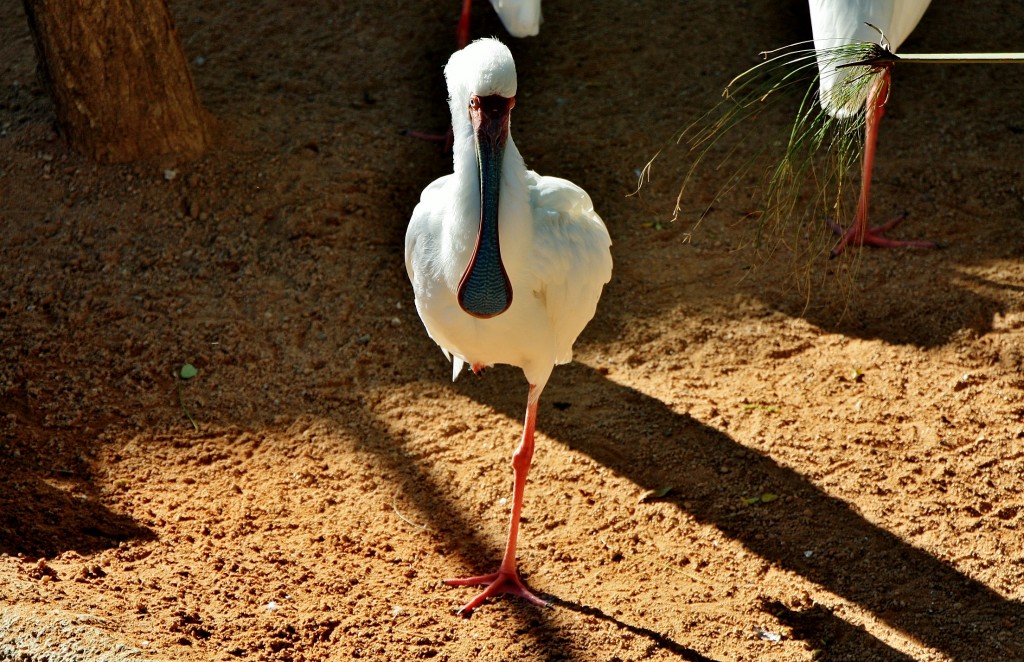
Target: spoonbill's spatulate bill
x,y
838,22
507,266
520,17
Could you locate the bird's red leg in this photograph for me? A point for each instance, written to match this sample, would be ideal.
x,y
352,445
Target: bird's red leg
x,y
462,32
506,579
859,233
461,39
445,140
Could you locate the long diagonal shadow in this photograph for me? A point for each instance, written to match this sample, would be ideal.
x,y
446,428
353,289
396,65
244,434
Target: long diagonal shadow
x,y
447,521
900,584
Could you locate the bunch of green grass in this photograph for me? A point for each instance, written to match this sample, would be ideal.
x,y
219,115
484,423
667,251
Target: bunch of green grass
x,y
809,179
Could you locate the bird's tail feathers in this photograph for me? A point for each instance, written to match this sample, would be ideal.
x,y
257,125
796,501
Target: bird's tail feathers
x,y
457,365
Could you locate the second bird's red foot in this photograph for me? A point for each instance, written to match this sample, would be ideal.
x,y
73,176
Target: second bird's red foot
x,y
874,236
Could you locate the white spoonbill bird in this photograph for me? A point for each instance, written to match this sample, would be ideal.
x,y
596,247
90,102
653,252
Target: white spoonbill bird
x,y
507,266
838,22
520,17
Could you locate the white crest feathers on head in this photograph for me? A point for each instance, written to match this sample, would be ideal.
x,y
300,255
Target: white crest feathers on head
x,y
484,67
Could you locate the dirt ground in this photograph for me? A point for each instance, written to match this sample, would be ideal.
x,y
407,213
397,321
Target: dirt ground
x,y
337,474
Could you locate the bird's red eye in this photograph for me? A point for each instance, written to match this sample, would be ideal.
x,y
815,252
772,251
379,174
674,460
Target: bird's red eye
x,y
474,102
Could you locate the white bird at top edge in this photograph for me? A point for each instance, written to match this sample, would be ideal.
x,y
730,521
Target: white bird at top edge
x,y
521,18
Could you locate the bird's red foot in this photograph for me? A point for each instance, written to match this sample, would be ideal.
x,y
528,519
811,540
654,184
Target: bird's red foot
x,y
873,236
462,32
497,583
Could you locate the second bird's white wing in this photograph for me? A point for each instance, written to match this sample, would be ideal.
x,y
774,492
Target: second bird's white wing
x,y
520,17
840,22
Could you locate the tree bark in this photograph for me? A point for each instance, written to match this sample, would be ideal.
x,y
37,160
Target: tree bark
x,y
118,77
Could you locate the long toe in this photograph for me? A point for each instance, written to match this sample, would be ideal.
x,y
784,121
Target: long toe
x,y
497,583
875,236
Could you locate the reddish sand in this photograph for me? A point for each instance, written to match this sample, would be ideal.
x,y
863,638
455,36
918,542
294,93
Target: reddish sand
x,y
337,474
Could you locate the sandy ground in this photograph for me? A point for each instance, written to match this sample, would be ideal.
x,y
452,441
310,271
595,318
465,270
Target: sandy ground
x,y
337,474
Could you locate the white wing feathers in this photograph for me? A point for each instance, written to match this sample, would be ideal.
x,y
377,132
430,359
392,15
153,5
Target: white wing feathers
x,y
838,22
573,261
568,263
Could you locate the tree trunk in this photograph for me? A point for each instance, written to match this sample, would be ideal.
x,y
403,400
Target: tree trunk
x,y
118,78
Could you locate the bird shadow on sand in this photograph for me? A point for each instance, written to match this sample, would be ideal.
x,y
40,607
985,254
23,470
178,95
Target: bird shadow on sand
x,y
807,531
901,297
663,642
460,537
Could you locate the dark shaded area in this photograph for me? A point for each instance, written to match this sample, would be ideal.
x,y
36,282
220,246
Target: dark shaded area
x,y
48,500
663,642
832,638
40,520
863,302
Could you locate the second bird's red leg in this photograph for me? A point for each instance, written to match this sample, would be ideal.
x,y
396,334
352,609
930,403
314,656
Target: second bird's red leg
x,y
461,39
506,579
462,32
860,234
